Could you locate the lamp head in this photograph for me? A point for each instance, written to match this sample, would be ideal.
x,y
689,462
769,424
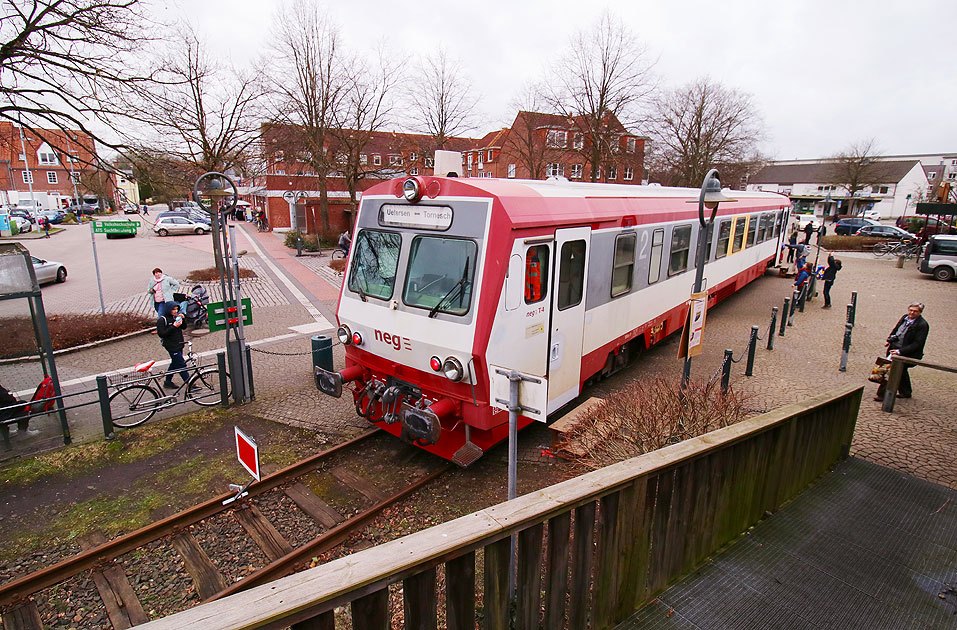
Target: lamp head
x,y
215,187
712,192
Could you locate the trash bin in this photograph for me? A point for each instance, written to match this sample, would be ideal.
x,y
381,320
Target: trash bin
x,y
322,352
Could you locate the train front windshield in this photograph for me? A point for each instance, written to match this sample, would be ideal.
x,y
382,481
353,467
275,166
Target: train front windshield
x,y
437,277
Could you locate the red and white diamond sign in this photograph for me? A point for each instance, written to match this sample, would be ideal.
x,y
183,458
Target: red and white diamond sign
x,y
247,453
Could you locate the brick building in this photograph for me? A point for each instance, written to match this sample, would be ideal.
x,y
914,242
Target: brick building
x,y
51,170
534,147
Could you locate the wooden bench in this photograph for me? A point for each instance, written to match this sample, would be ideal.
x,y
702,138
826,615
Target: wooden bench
x,y
894,377
569,422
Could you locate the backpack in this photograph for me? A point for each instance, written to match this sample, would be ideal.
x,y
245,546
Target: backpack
x,y
45,392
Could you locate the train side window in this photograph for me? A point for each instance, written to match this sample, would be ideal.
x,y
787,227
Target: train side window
x,y
710,230
777,224
763,228
623,266
680,248
513,282
752,230
571,274
536,273
654,265
724,236
738,234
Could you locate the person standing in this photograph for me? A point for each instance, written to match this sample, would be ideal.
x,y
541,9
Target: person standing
x,y
821,232
162,288
808,231
907,339
46,226
803,274
146,210
792,245
833,266
170,329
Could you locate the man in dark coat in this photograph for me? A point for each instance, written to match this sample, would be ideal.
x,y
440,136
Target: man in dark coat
x,y
907,339
169,327
808,231
830,274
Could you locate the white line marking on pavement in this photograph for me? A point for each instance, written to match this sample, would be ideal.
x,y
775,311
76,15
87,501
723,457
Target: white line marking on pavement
x,y
305,329
313,311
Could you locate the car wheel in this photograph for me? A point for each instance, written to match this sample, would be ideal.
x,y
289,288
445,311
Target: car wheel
x,y
163,232
61,274
943,273
200,231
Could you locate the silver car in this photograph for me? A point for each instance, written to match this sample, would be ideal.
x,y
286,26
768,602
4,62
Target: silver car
x,y
179,225
48,270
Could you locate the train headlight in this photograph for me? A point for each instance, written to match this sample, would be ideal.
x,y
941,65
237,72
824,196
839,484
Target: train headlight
x,y
411,190
356,339
435,363
344,335
453,369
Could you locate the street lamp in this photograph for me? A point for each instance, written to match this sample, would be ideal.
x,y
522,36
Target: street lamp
x,y
710,197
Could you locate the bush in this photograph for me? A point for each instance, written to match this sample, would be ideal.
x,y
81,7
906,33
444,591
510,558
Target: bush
x,y
68,330
849,243
211,274
309,242
338,265
70,219
646,416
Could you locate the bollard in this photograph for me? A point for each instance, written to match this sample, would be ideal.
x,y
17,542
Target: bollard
x,y
900,262
850,318
249,371
794,303
726,372
812,290
784,315
774,321
223,380
803,297
322,352
847,345
853,307
106,414
752,346
298,243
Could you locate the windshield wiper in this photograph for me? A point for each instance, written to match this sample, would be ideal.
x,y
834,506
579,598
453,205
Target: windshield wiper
x,y
458,285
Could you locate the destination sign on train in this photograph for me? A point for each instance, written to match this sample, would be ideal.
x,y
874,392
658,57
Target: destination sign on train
x,y
421,217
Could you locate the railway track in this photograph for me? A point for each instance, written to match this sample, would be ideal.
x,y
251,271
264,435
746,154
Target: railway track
x,y
328,491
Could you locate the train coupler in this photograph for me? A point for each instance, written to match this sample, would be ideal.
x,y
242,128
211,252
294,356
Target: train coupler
x,y
423,425
331,382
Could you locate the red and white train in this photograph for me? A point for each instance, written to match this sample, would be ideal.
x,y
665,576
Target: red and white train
x,y
450,279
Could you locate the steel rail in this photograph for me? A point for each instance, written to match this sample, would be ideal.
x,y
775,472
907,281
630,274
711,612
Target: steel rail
x,y
16,590
324,542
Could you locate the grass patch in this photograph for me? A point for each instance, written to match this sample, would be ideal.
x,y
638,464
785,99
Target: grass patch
x,y
211,274
67,331
338,265
310,242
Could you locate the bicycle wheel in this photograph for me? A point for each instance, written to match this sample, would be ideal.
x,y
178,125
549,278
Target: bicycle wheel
x,y
882,249
203,388
133,405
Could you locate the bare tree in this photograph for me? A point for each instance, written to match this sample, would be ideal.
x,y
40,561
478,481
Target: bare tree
x,y
443,105
63,62
700,126
310,82
161,176
526,138
599,86
856,168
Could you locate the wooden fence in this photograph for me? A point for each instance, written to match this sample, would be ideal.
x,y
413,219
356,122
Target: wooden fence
x,y
615,537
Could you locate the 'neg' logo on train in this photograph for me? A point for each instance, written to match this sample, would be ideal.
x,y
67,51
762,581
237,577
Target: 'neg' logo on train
x,y
396,341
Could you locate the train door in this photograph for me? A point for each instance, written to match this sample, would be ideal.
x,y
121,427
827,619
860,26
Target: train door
x,y
568,315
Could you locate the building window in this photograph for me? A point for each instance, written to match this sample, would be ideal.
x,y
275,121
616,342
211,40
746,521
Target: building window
x,y
489,174
884,190
629,173
488,158
554,169
413,171
630,145
557,139
680,248
576,171
623,265
395,160
23,158
75,177
429,163
363,159
413,156
377,160
46,157
480,164
27,177
579,141
612,172
511,170
931,175
468,162
51,177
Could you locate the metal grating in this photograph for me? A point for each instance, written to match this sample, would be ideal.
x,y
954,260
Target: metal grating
x,y
865,547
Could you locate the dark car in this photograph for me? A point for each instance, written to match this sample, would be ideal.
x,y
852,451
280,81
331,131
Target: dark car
x,y
23,214
885,231
83,207
851,225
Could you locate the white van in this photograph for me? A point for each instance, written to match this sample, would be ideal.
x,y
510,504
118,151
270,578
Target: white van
x,y
33,206
939,257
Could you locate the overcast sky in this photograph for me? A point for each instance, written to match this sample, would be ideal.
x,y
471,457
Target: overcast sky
x,y
823,73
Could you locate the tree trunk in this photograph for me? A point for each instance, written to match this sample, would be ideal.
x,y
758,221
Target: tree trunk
x,y
324,204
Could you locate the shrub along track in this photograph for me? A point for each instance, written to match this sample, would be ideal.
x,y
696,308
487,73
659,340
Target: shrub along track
x,y
342,503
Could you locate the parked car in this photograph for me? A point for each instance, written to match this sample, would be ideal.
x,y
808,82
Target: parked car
x,y
55,216
801,221
130,208
23,214
83,207
850,225
23,225
30,205
872,214
939,257
179,225
48,270
885,231
199,217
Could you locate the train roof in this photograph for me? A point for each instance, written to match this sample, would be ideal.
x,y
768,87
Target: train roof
x,y
557,201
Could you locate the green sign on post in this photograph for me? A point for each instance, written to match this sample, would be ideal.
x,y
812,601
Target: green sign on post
x,y
116,227
220,316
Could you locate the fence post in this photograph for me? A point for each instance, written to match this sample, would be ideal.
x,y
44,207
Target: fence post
x,y
812,290
752,346
249,371
774,321
726,371
850,320
784,315
847,345
223,380
802,298
106,414
893,382
853,307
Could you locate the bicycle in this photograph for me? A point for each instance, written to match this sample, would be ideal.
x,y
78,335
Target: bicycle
x,y
339,253
133,404
907,249
262,225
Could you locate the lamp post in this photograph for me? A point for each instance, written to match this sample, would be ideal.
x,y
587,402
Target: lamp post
x,y
292,198
710,197
217,186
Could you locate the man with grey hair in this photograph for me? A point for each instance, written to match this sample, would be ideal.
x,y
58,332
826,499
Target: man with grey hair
x,y
907,339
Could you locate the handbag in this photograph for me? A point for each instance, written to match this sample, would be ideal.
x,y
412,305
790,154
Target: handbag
x,y
879,372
